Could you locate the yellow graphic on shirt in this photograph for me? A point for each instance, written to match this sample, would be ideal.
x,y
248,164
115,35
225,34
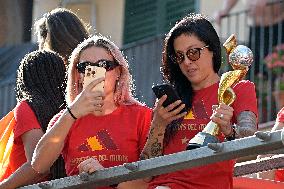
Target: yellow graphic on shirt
x,y
101,141
94,143
184,140
189,115
197,111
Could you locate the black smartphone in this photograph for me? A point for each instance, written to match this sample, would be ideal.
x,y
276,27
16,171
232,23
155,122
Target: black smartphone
x,y
170,91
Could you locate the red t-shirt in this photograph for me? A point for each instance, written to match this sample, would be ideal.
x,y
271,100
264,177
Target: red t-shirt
x,y
112,139
218,175
25,121
279,174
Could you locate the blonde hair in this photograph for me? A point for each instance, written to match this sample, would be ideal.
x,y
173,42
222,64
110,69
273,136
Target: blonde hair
x,y
122,94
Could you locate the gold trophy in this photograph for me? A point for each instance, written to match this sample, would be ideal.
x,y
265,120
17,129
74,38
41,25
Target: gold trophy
x,y
240,58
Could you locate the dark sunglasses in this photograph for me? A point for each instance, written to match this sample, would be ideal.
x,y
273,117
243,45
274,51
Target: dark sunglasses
x,y
192,54
107,64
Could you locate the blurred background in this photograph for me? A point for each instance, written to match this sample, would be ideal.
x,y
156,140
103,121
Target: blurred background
x,y
138,27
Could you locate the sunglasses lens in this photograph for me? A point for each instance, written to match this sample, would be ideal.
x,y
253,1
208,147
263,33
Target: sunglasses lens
x,y
110,65
179,58
107,66
193,54
81,67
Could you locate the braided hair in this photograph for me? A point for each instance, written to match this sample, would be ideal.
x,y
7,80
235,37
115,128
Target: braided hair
x,y
41,83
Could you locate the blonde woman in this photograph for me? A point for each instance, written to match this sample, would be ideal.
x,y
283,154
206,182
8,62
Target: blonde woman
x,y
97,129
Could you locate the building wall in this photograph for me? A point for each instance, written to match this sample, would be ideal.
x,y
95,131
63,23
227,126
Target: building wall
x,y
210,8
110,19
11,23
4,24
105,17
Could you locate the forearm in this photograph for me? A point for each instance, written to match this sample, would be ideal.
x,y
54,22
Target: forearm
x,y
154,144
51,144
270,175
246,124
278,126
25,175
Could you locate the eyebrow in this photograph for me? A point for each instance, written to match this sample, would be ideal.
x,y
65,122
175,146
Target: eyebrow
x,y
189,47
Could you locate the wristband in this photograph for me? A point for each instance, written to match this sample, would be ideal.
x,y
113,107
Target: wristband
x,y
72,115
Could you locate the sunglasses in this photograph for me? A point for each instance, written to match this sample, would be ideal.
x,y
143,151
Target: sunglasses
x,y
107,64
192,54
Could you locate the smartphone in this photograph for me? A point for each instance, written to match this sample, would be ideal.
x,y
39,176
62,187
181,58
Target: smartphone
x,y
170,91
92,73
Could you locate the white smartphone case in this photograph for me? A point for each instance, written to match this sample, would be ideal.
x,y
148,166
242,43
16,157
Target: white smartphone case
x,y
92,73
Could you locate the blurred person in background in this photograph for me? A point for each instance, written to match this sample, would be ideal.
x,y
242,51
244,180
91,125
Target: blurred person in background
x,y
277,175
266,25
60,30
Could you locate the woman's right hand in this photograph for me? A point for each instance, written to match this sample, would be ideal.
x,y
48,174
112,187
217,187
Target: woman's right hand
x,y
165,115
89,166
88,100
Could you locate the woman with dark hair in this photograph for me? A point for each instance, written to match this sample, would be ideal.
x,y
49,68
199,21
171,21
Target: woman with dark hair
x,y
40,94
99,128
61,31
191,61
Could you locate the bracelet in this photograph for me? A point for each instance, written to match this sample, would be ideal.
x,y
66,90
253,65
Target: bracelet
x,y
72,115
232,136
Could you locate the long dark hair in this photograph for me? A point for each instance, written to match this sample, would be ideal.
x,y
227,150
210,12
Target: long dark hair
x,y
199,26
41,83
65,29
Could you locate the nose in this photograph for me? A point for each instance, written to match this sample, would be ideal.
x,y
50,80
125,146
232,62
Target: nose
x,y
187,61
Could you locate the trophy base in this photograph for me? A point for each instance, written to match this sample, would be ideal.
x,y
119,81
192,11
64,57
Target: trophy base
x,y
200,140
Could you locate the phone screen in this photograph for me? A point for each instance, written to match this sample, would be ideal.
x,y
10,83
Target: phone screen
x,y
169,90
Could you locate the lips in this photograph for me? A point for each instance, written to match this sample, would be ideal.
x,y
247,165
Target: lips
x,y
191,71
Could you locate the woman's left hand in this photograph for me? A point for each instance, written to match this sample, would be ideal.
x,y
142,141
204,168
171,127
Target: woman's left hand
x,y
222,115
89,166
